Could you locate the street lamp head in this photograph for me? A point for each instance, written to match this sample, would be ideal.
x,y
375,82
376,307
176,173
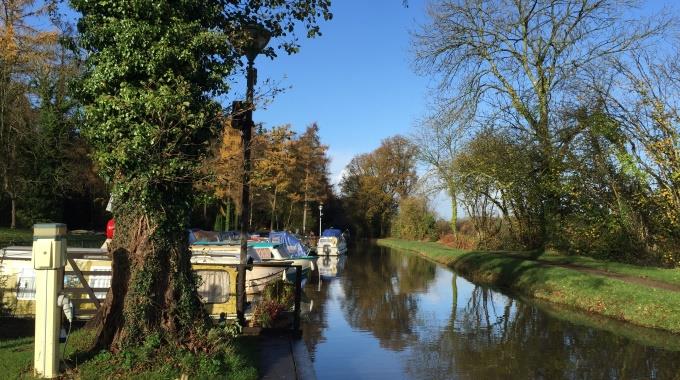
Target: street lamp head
x,y
320,207
258,38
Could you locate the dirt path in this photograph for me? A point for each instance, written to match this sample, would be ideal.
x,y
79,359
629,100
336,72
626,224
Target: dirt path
x,y
618,276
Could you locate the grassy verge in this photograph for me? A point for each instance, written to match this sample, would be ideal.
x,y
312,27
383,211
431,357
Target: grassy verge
x,y
632,303
237,361
25,237
11,237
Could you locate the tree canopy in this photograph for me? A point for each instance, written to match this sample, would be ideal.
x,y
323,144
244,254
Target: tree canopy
x,y
152,72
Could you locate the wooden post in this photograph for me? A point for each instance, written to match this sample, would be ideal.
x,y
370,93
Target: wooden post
x,y
241,294
298,298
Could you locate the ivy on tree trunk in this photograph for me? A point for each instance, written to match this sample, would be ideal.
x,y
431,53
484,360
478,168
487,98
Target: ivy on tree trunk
x,y
152,72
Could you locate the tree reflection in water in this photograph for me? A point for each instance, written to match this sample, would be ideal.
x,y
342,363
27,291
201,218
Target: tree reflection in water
x,y
381,295
315,322
494,336
431,324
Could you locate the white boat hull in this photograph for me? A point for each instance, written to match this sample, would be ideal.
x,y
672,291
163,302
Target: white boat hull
x,y
331,250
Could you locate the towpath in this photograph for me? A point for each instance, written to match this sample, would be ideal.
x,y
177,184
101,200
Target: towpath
x,y
283,357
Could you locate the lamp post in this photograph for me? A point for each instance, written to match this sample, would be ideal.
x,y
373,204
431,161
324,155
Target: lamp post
x,y
258,38
320,215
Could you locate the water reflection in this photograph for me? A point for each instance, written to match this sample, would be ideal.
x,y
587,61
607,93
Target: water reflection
x,y
380,296
330,266
392,315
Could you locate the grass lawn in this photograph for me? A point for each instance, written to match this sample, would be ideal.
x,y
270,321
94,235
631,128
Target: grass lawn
x,y
634,303
238,361
24,236
13,237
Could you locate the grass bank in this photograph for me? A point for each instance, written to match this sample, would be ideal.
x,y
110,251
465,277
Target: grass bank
x,y
238,362
9,236
544,279
24,236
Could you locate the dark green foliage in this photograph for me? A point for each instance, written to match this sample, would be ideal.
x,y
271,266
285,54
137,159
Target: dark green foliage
x,y
154,360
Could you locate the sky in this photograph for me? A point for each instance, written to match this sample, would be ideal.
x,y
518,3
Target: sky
x,y
356,80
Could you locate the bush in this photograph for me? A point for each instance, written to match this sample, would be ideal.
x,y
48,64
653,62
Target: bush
x,y
459,241
277,297
442,228
415,220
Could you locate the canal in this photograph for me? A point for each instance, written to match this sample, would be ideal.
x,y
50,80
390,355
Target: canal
x,y
384,314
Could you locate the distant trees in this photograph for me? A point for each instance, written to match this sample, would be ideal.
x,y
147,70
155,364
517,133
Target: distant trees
x,y
43,159
290,172
313,171
374,183
572,136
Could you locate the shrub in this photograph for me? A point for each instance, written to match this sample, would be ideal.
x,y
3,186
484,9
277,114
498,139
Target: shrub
x,y
277,296
415,220
459,241
442,228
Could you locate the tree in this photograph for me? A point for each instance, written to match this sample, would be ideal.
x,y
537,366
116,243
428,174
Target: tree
x,y
495,174
438,139
374,183
23,49
313,169
415,220
222,179
523,61
152,72
272,172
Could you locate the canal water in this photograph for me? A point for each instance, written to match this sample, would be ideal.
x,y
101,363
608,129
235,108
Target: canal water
x,y
384,314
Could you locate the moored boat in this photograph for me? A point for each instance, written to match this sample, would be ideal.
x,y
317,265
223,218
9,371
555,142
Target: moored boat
x,y
229,255
331,243
271,252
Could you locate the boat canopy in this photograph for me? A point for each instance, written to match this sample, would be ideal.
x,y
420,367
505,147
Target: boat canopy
x,y
288,243
331,232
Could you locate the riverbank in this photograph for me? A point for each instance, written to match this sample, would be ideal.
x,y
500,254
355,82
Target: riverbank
x,y
647,297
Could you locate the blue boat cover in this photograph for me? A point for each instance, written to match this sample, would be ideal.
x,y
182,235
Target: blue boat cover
x,y
331,232
287,241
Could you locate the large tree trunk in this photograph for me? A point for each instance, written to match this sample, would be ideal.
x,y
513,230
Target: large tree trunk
x,y
153,289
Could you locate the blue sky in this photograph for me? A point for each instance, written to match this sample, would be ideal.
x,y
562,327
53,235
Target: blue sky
x,y
355,81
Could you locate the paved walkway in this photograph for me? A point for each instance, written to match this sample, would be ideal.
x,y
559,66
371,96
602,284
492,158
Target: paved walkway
x,y
284,358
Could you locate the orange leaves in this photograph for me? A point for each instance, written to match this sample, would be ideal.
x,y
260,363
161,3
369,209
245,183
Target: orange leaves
x,y
22,46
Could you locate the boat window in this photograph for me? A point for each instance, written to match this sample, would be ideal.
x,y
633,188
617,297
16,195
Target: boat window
x,y
215,286
26,285
264,253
